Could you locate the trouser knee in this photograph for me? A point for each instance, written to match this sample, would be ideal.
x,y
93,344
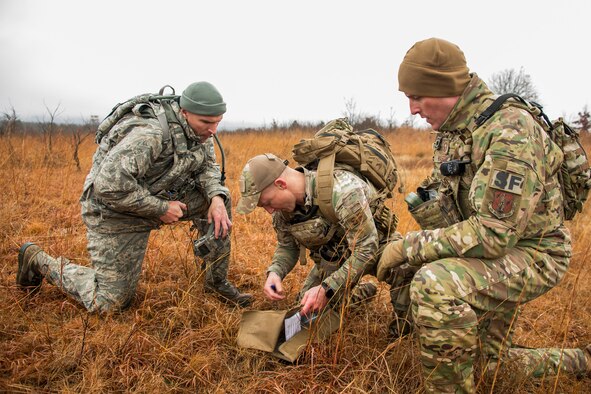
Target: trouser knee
x,y
438,300
114,296
447,327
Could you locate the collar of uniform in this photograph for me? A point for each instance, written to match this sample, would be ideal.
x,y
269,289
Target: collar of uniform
x,y
309,187
186,128
467,106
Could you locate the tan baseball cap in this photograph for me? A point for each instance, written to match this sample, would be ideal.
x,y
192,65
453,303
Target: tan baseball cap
x,y
258,173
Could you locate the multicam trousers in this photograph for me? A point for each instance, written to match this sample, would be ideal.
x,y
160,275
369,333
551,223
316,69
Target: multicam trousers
x,y
116,259
463,307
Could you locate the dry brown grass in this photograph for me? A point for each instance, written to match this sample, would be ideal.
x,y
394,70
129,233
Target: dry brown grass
x,y
174,338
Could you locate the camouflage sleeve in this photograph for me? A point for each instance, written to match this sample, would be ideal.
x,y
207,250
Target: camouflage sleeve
x,y
117,182
287,250
504,194
351,202
210,177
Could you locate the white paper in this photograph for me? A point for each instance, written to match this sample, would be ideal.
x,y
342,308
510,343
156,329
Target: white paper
x,y
292,326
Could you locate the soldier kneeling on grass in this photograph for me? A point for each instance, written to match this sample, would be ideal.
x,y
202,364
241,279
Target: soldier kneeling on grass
x,y
492,226
155,165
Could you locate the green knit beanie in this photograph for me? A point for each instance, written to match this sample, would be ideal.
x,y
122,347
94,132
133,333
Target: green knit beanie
x,y
433,68
202,98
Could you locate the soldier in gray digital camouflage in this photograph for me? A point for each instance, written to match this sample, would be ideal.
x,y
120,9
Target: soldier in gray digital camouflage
x,y
155,165
492,235
342,252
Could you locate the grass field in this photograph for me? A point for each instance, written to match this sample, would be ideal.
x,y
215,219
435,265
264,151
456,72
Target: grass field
x,y
175,338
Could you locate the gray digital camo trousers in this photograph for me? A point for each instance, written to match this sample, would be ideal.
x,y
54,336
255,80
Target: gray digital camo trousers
x,y
116,263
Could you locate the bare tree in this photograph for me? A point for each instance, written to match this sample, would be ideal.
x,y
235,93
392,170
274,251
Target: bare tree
x,y
9,125
584,120
49,128
10,122
275,124
391,120
79,135
350,111
512,81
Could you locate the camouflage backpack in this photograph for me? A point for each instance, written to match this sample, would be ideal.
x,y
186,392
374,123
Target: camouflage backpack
x,y
367,152
159,103
574,175
150,105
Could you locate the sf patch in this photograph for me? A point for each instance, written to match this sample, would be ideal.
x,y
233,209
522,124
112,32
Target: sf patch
x,y
507,181
505,189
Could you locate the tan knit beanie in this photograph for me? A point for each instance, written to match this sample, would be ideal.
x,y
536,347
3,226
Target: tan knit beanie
x,y
433,68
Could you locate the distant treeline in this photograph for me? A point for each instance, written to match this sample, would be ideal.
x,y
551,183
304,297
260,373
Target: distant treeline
x,y
11,126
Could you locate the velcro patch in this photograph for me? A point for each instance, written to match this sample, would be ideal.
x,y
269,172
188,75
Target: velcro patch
x,y
507,181
353,215
502,204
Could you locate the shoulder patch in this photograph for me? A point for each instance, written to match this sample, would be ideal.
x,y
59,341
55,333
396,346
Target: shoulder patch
x,y
507,181
502,204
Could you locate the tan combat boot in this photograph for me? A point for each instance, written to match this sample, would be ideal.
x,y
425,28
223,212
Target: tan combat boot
x,y
28,276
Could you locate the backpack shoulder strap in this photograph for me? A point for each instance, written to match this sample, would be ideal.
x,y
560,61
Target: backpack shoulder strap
x,y
324,185
161,115
495,106
171,127
532,107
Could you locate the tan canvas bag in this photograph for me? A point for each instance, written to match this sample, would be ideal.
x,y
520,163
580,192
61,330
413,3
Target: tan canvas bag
x,y
263,330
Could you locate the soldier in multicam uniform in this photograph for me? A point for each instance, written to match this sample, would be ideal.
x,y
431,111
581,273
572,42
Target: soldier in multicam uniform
x,y
342,252
492,238
142,177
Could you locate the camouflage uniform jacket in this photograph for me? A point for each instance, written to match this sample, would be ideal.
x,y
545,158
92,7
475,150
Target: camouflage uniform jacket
x,y
356,231
135,171
508,196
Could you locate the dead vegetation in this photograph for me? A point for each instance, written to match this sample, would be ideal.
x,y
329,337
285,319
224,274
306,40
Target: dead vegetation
x,y
174,338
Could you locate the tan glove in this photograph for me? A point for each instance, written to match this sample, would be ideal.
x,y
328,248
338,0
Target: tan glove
x,y
392,257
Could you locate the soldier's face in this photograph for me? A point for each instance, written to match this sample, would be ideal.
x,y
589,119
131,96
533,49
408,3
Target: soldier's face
x,y
277,198
434,110
203,126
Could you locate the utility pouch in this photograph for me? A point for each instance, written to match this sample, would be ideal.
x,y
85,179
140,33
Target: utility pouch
x,y
313,233
385,220
327,267
399,283
266,331
437,213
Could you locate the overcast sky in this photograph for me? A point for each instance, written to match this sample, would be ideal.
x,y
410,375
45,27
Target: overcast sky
x,y
277,59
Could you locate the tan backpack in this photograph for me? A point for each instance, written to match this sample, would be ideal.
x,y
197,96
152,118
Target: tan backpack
x,y
366,151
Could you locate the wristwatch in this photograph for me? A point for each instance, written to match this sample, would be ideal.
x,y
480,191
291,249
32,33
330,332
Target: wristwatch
x,y
327,289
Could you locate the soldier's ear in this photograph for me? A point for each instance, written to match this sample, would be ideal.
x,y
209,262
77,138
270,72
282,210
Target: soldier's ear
x,y
280,183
